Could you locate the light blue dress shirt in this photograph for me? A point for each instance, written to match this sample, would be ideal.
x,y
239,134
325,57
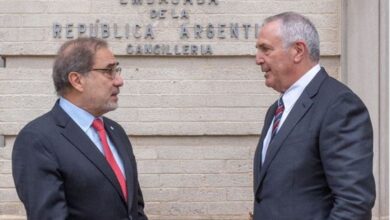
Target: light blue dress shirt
x,y
84,120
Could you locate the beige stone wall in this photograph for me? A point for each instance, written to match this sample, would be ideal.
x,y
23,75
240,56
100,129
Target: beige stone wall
x,y
194,121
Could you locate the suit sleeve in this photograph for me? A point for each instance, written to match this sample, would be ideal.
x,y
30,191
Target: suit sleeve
x,y
141,204
346,146
37,178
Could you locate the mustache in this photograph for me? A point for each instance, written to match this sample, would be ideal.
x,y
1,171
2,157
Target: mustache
x,y
116,92
264,68
265,71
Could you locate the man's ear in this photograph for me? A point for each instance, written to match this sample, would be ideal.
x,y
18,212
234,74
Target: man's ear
x,y
300,51
77,81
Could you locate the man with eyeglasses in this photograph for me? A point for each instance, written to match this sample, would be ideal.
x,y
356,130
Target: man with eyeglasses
x,y
72,162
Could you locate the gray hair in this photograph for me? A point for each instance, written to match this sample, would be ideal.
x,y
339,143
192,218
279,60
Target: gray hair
x,y
296,27
74,56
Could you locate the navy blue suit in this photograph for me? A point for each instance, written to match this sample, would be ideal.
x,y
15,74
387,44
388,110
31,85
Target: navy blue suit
x,y
319,164
60,174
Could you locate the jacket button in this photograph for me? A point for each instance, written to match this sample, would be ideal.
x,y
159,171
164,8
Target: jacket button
x,y
258,200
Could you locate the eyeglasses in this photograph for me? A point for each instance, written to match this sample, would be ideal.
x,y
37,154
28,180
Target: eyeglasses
x,y
110,72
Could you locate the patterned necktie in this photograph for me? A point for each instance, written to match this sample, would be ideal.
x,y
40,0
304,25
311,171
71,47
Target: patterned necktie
x,y
97,124
277,117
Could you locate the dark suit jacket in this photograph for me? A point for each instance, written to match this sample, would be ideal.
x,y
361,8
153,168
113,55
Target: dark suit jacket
x,y
319,164
60,174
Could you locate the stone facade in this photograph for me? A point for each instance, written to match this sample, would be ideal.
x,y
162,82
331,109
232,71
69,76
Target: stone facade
x,y
194,119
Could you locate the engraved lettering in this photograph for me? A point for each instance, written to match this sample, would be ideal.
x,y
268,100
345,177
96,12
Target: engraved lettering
x,y
137,2
246,29
184,34
210,31
57,28
116,34
82,29
105,30
188,1
69,30
137,31
198,31
234,30
221,31
149,32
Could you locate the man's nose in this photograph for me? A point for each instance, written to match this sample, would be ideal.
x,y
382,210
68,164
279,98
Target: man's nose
x,y
259,58
118,80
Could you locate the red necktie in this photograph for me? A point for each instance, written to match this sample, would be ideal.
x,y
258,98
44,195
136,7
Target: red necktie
x,y
99,127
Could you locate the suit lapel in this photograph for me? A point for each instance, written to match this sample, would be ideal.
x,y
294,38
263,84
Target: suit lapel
x,y
72,132
124,153
259,149
300,108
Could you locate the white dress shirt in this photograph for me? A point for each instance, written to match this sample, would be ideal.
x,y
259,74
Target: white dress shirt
x,y
289,98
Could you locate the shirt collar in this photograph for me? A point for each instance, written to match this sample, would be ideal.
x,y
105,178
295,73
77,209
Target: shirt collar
x,y
294,92
82,118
